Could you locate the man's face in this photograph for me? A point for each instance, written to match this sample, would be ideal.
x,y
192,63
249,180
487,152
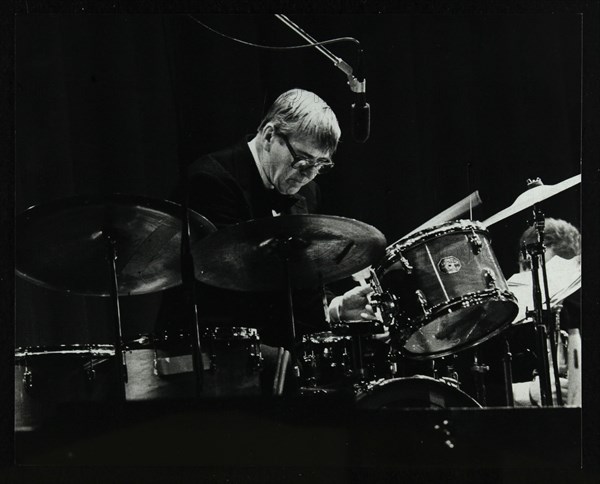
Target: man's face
x,y
279,159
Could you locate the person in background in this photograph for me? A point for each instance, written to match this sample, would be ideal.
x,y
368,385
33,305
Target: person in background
x,y
561,239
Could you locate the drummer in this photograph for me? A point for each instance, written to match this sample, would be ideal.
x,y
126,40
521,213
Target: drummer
x,y
267,174
561,239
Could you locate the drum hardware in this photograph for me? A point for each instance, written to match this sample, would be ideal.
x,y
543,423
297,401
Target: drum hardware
x,y
542,319
27,379
507,372
479,370
423,302
475,242
489,278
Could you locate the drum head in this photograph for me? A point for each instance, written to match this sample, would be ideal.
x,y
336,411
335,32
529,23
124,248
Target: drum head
x,y
459,328
414,392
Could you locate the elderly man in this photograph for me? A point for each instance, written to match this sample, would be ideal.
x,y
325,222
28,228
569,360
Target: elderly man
x,y
268,174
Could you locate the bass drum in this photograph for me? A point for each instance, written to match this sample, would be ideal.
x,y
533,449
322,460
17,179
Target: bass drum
x,y
414,392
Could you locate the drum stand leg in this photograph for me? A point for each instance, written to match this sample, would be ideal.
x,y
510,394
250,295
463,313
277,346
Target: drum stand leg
x,y
121,365
479,370
284,355
538,260
508,377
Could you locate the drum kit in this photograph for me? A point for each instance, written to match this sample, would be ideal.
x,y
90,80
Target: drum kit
x,y
437,291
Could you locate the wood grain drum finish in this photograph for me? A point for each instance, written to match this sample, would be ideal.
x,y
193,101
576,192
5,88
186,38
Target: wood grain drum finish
x,y
451,293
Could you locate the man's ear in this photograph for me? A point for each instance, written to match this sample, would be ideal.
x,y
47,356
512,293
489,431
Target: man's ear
x,y
268,136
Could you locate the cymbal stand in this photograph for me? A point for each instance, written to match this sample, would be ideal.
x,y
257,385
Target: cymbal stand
x,y
285,249
189,290
539,315
120,362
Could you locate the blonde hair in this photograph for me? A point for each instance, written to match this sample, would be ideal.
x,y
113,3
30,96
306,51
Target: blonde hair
x,y
304,114
559,235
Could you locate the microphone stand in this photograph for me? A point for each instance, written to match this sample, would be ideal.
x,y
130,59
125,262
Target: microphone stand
x,y
356,85
539,315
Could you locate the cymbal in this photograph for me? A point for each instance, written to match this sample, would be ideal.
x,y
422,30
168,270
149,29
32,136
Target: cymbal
x,y
250,256
62,245
532,196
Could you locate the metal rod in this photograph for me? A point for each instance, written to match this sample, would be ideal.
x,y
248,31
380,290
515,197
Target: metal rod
x,y
120,363
326,52
508,377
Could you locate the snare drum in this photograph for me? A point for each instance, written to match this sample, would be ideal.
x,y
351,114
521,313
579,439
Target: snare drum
x,y
46,376
162,367
418,391
449,289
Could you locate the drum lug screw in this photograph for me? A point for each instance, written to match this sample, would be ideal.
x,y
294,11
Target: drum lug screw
x,y
490,279
28,379
475,242
407,267
422,301
90,374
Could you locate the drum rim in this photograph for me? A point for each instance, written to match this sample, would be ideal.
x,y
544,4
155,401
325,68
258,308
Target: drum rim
x,y
472,298
377,385
412,240
503,296
308,338
74,349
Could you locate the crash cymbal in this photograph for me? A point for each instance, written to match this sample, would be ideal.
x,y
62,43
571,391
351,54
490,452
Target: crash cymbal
x,y
321,248
533,195
62,245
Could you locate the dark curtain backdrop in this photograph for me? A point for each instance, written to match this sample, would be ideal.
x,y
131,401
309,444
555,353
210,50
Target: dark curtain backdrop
x,y
459,103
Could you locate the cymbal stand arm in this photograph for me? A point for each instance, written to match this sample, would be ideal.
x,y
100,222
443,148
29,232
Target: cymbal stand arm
x,y
120,363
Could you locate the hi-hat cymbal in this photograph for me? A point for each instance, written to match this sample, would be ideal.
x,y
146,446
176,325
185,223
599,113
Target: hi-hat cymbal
x,y
532,196
62,245
250,256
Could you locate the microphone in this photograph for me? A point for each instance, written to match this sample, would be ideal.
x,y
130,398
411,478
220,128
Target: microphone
x,y
361,111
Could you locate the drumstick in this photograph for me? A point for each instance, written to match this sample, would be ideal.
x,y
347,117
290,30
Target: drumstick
x,y
451,213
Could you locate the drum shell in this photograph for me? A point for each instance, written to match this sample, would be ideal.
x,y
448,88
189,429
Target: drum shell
x,y
162,367
414,392
444,275
46,377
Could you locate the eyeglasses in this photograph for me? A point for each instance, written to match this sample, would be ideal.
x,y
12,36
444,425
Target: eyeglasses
x,y
322,165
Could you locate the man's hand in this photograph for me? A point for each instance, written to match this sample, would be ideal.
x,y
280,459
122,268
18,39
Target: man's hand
x,y
352,306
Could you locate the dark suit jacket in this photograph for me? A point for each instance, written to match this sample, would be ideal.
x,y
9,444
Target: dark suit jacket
x,y
226,188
